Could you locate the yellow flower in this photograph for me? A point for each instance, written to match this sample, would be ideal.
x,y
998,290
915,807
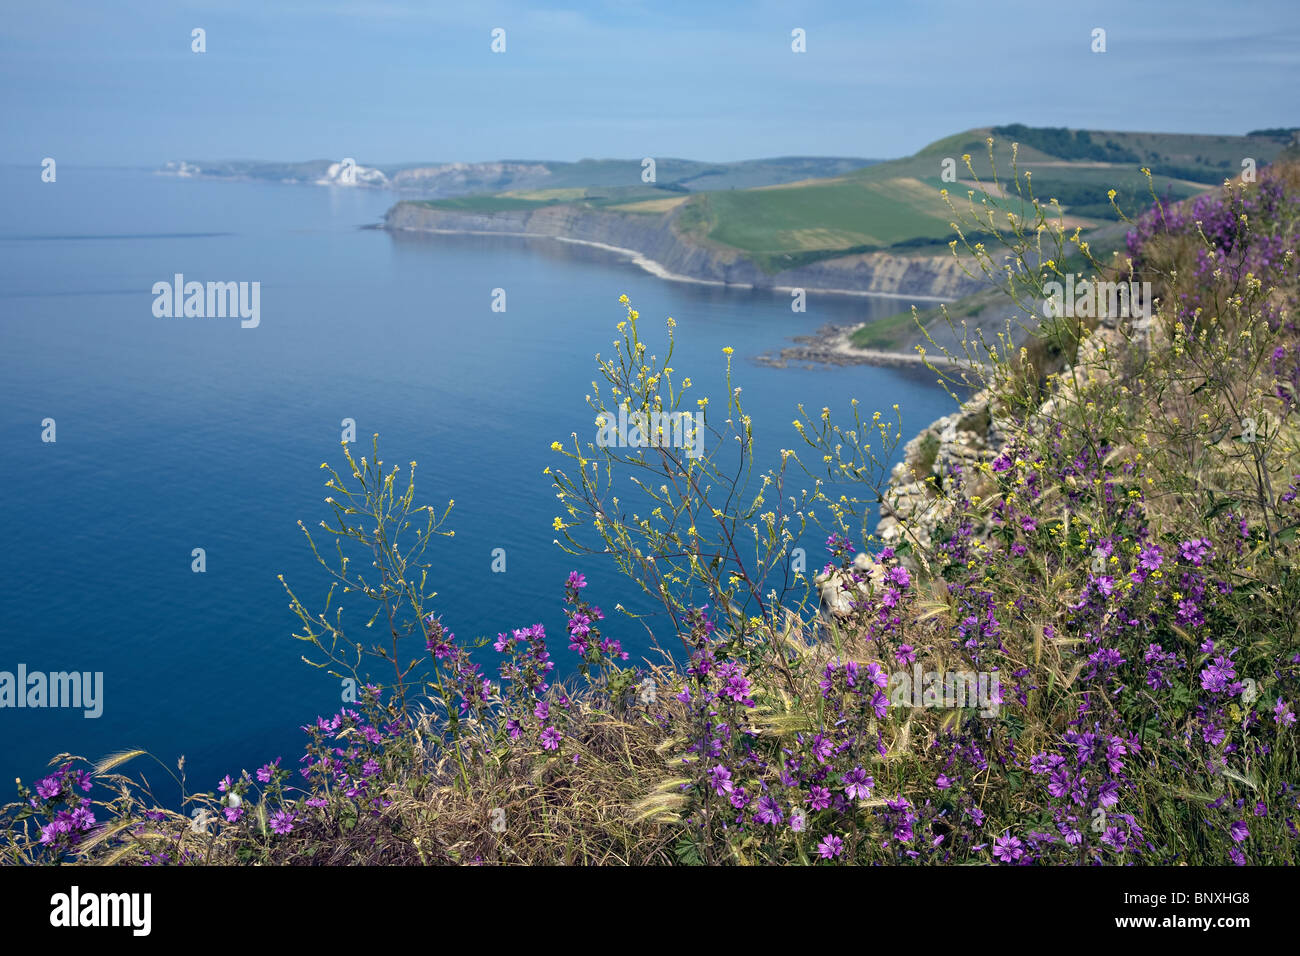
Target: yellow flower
x,y
556,446
623,298
727,350
558,525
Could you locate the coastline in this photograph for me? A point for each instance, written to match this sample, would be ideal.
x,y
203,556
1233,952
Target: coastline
x,y
660,271
656,245
830,345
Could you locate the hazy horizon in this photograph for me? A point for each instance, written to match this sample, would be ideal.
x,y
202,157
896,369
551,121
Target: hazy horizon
x,y
394,82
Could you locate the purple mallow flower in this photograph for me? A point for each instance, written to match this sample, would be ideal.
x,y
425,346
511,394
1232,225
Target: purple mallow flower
x,y
830,847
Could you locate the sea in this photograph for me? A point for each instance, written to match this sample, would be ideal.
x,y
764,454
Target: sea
x,y
174,434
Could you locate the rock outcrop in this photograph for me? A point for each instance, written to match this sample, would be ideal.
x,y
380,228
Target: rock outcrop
x,y
914,504
956,444
839,589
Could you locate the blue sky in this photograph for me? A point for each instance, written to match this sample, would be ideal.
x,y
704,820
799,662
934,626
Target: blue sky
x,y
95,83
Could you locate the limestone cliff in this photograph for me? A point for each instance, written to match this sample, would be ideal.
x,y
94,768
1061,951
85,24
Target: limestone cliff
x,y
914,502
666,250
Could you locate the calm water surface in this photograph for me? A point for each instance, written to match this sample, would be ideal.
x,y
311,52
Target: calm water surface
x,y
175,434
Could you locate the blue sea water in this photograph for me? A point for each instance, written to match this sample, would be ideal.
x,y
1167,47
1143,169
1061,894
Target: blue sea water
x,y
183,433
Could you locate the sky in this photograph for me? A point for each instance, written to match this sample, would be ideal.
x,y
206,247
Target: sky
x,y
117,83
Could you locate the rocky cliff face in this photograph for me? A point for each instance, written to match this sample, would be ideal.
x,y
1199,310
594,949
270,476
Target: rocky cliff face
x,y
914,505
657,239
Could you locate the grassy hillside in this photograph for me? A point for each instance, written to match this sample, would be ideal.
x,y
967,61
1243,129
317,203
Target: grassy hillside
x,y
838,208
897,204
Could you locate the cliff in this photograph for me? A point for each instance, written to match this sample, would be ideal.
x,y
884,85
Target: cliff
x,y
916,498
657,244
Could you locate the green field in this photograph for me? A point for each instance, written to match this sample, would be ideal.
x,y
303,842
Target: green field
x,y
896,205
834,215
845,207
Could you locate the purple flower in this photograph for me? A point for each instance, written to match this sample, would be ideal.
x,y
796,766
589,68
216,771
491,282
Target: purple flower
x,y
736,685
876,675
720,780
550,739
1282,713
282,822
52,786
1196,550
576,580
1218,675
880,703
857,785
1239,831
51,832
830,847
769,811
1007,848
1058,784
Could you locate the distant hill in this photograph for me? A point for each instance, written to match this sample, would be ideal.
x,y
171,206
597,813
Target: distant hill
x,y
444,180
895,205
